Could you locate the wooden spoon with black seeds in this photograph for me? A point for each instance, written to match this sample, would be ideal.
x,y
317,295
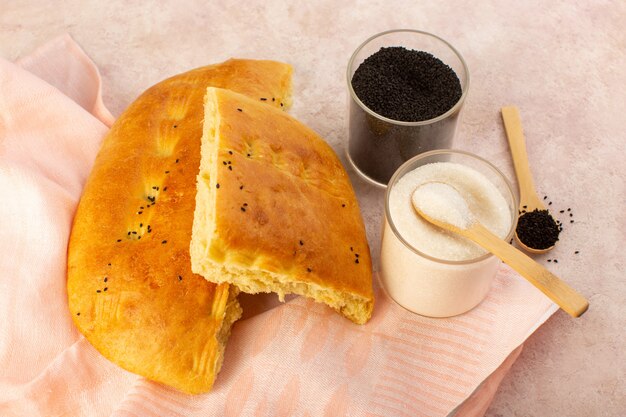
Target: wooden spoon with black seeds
x,y
537,231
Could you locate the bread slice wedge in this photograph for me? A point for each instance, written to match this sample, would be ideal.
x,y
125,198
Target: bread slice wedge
x,y
275,209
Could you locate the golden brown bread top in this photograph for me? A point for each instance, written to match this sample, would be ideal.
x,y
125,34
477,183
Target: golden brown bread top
x,y
283,202
130,286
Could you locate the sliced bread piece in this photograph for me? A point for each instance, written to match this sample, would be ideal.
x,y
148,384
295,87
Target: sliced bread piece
x,y
275,209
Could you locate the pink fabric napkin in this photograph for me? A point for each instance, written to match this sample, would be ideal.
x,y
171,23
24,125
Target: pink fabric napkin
x,y
295,359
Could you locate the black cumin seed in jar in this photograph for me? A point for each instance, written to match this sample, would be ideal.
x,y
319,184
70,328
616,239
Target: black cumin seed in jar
x,y
537,229
406,86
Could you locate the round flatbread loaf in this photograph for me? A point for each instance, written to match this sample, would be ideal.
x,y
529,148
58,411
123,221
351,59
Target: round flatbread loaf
x,y
131,290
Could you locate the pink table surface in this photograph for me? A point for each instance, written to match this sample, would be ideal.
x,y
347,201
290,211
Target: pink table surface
x,y
562,63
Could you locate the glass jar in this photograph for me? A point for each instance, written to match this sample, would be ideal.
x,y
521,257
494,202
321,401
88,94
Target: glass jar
x,y
435,287
377,145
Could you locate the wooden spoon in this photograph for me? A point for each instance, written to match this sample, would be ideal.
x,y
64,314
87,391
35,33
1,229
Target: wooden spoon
x,y
442,205
528,199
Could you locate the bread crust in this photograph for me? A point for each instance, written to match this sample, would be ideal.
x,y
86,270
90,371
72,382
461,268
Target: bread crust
x,y
131,290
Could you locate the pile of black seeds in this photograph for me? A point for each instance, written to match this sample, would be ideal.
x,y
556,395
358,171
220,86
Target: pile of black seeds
x,y
537,229
406,85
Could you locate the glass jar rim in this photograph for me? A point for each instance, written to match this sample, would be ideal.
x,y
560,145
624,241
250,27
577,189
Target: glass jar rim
x,y
452,110
400,172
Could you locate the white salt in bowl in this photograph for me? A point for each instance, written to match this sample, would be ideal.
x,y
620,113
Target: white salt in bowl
x,y
439,276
